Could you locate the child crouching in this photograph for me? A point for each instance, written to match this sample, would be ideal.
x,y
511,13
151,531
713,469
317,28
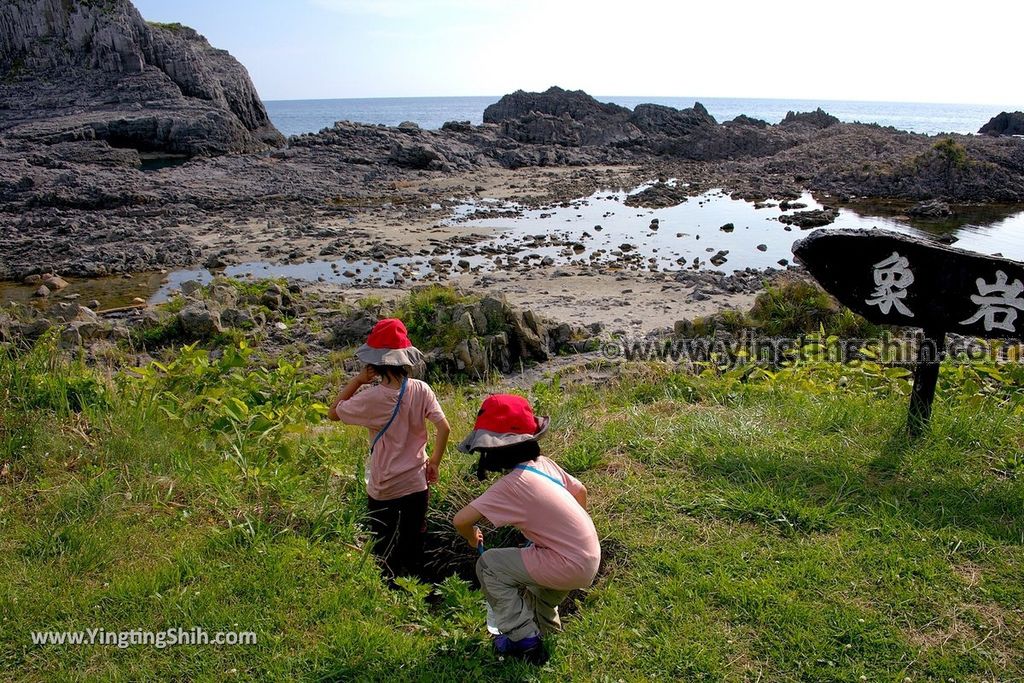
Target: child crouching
x,y
524,586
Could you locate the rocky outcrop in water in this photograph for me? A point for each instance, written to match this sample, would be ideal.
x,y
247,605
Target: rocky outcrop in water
x,y
560,117
573,119
74,70
816,119
1004,123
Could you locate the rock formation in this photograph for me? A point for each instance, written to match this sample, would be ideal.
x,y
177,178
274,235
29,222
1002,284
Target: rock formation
x,y
81,70
1005,123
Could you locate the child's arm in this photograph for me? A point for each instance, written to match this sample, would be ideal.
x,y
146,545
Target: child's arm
x,y
442,430
365,376
465,521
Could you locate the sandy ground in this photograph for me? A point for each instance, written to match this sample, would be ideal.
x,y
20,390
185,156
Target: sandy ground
x,y
631,303
413,215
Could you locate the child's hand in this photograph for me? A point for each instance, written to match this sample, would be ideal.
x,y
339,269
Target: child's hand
x,y
478,537
366,375
432,472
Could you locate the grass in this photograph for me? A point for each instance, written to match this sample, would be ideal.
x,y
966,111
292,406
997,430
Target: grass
x,y
791,307
431,316
771,528
173,27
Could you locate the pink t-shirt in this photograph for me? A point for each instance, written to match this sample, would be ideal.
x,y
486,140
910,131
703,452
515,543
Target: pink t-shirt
x,y
398,464
566,552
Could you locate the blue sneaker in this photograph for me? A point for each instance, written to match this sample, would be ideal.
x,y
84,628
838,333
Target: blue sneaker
x,y
529,649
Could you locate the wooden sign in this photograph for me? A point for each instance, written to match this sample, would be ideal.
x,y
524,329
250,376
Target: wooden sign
x,y
895,279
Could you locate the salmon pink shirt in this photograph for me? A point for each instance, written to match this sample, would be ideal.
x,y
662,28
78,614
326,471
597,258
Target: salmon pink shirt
x,y
398,463
566,552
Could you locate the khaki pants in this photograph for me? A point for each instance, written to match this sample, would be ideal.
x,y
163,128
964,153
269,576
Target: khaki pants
x,y
521,608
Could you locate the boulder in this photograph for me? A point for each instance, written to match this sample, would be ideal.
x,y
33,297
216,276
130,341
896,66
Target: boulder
x,y
352,331
658,196
683,328
423,157
199,321
70,337
190,287
930,209
471,357
498,352
527,339
237,317
457,126
1004,123
224,295
54,282
36,328
814,218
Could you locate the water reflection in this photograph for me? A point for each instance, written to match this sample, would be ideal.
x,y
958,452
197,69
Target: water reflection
x,y
596,230
693,229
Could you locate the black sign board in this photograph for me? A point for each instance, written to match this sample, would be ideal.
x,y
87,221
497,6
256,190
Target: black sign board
x,y
896,279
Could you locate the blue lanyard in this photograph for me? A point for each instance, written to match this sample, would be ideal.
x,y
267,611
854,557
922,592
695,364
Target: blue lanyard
x,y
394,414
543,474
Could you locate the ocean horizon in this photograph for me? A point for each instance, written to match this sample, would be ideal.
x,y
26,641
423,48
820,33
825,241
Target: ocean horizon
x,y
295,117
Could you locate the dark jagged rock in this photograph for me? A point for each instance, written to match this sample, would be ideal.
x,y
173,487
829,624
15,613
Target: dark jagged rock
x,y
817,118
561,117
1004,123
658,196
566,118
744,120
815,218
662,120
77,71
417,156
930,209
554,101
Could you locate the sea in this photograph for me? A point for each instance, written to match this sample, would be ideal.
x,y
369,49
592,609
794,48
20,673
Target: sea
x,y
295,117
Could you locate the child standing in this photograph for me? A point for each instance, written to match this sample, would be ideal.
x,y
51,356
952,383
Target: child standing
x,y
524,586
395,411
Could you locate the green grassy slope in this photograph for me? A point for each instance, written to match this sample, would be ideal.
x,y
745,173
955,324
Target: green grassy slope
x,y
773,529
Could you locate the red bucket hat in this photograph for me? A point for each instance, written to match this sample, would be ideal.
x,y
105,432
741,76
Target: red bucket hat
x,y
504,420
388,344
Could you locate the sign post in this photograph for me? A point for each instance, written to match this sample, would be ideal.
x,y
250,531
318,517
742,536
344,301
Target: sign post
x,y
895,279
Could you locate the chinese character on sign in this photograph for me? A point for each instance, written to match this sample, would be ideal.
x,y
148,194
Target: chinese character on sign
x,y
892,278
1002,305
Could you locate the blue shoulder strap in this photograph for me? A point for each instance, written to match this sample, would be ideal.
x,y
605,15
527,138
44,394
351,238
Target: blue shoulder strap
x,y
543,474
398,404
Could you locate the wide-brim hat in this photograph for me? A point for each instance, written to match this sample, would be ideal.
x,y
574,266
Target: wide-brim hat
x,y
388,344
504,420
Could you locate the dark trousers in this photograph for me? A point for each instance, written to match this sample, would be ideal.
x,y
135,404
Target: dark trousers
x,y
398,528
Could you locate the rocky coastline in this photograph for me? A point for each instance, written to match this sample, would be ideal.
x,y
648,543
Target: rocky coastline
x,y
77,123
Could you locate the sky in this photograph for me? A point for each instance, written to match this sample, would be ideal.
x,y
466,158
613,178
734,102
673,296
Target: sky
x,y
947,51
